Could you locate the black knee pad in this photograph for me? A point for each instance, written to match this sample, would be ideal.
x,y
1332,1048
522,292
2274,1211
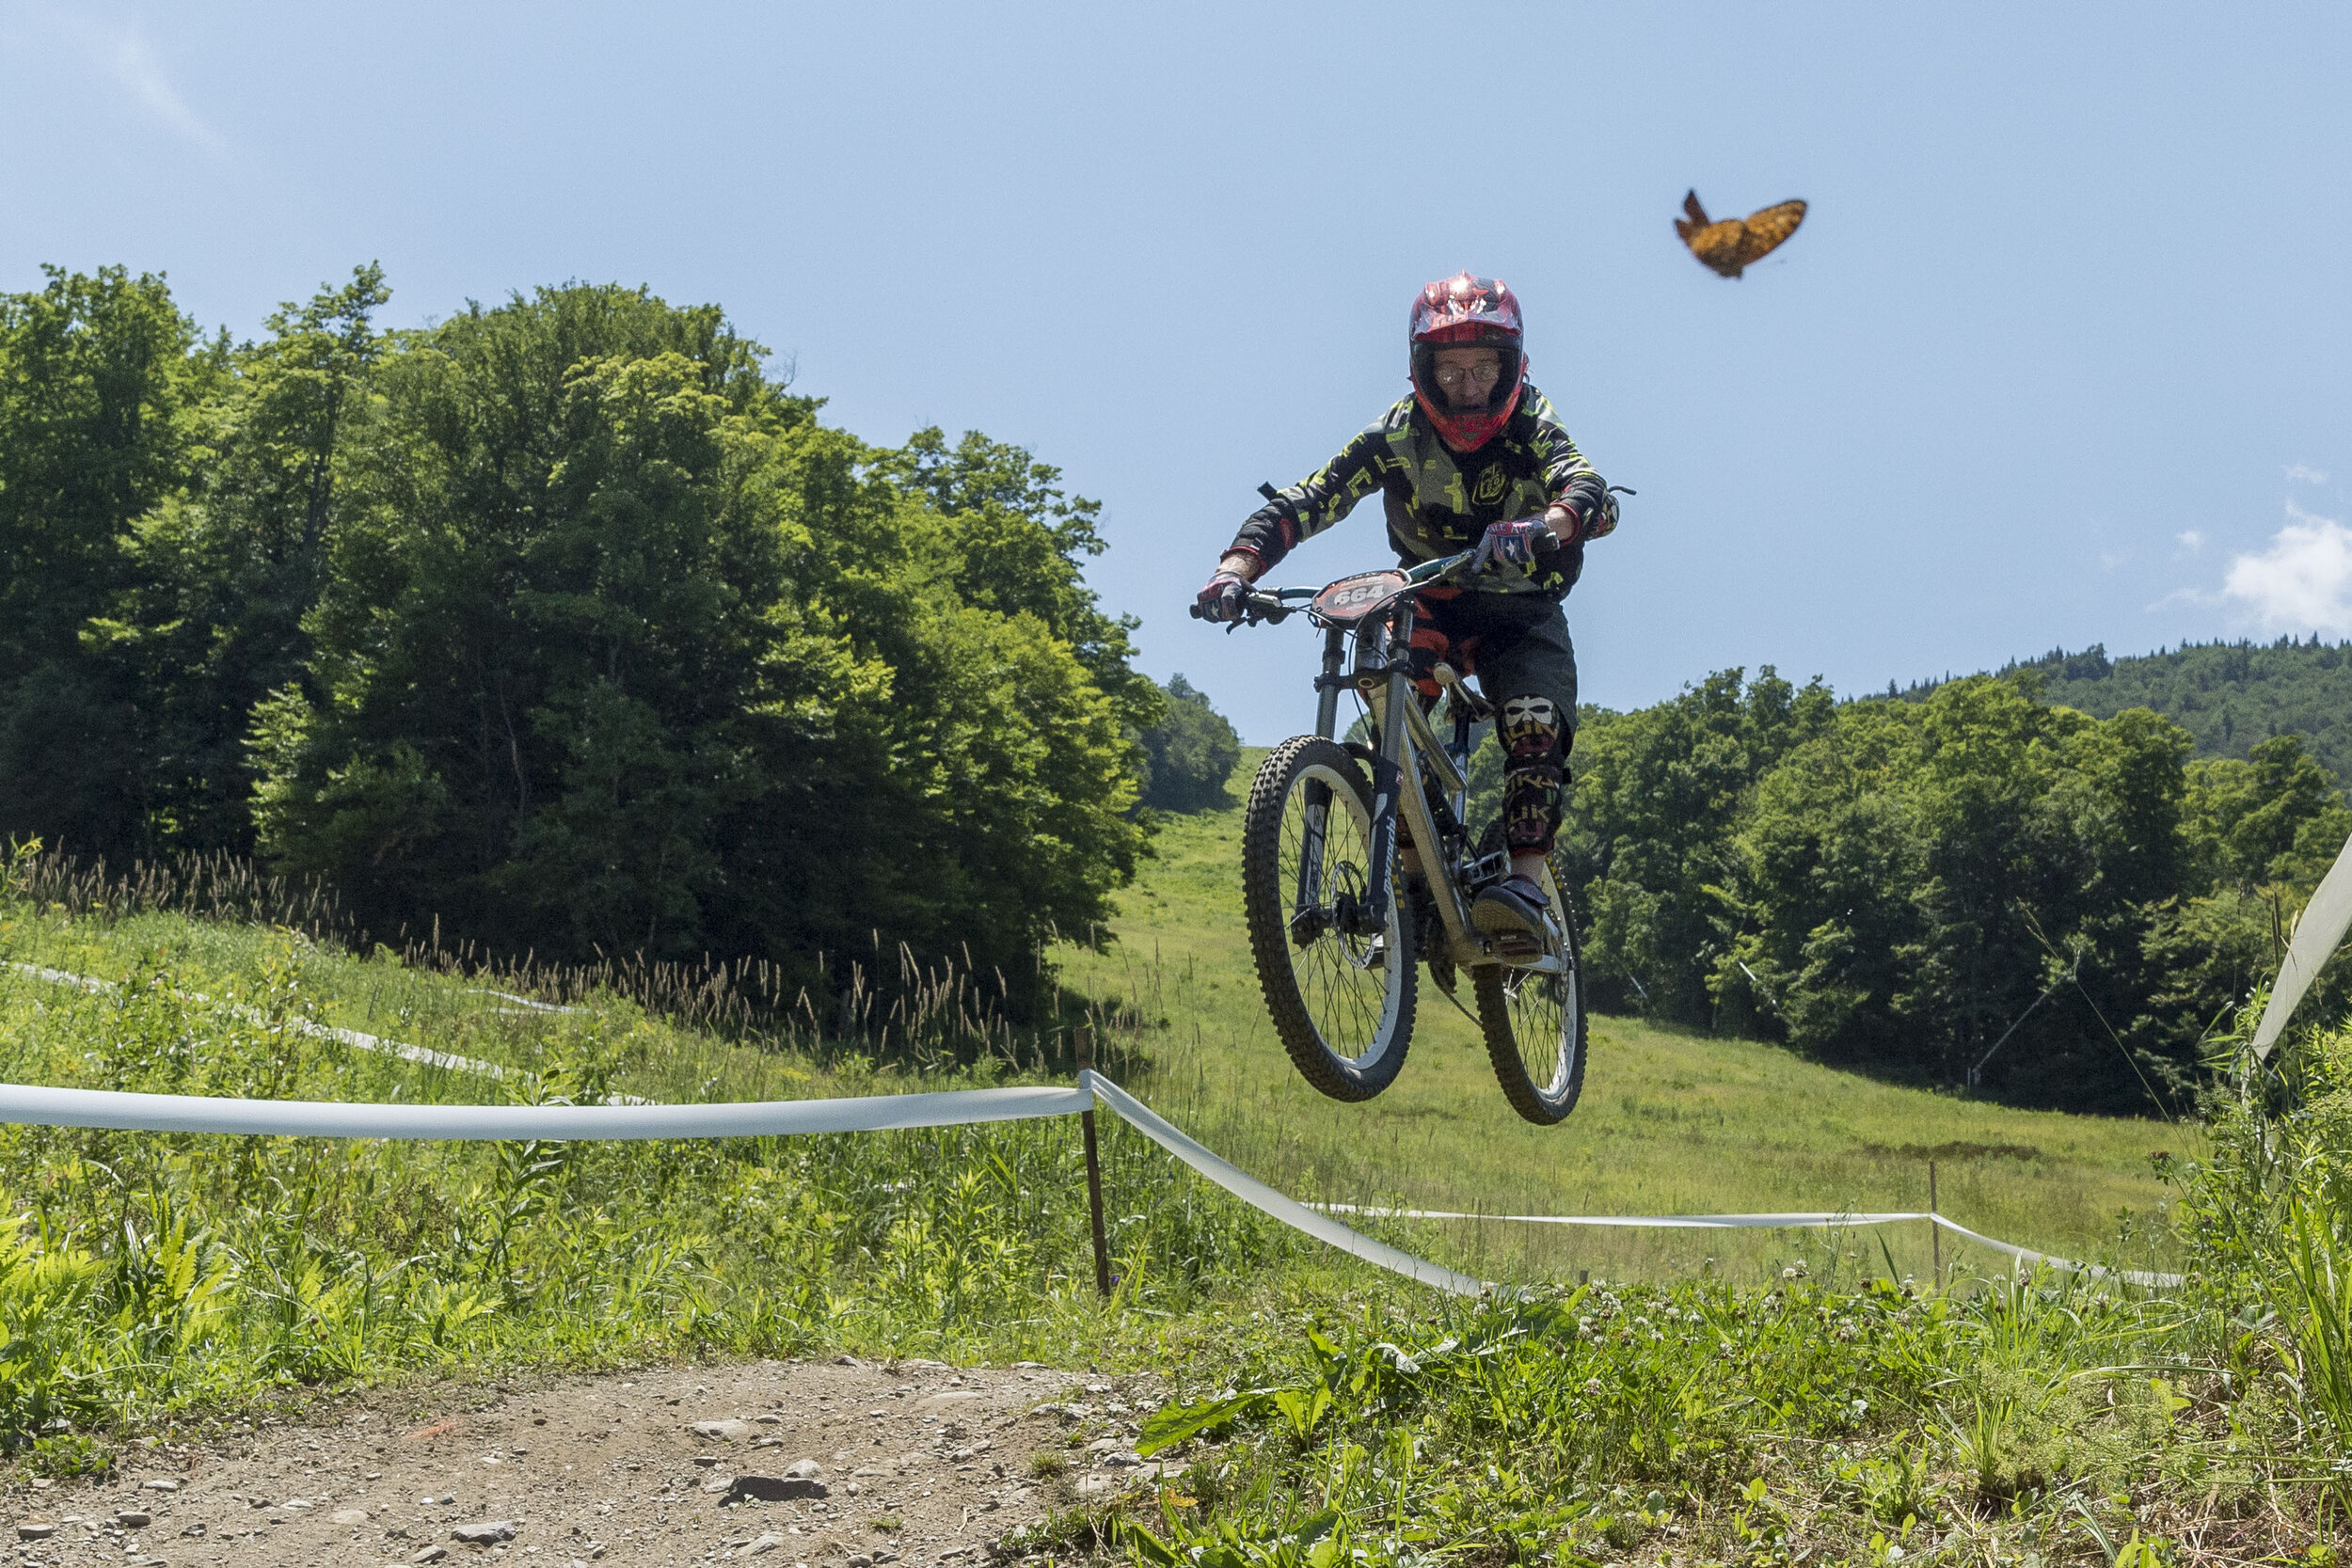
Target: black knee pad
x,y
1531,730
1534,746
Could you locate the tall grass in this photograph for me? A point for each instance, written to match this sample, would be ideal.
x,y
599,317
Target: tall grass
x,y
884,1003
2271,1216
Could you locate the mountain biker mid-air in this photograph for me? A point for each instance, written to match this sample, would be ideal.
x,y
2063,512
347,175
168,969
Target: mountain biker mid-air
x,y
1475,456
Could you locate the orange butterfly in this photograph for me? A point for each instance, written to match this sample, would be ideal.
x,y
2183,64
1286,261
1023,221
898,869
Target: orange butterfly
x,y
1735,243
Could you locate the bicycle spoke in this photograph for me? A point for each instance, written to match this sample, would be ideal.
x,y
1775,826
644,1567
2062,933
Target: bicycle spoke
x,y
1345,997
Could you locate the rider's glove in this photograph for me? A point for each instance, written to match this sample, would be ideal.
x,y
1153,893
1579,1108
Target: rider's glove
x,y
1224,596
1510,543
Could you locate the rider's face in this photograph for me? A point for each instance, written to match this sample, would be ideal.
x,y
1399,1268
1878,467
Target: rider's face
x,y
1469,375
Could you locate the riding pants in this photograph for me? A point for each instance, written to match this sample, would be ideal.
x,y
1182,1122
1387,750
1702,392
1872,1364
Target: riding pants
x,y
1517,646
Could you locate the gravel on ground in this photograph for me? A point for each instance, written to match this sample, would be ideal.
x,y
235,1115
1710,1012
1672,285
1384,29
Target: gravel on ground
x,y
798,1465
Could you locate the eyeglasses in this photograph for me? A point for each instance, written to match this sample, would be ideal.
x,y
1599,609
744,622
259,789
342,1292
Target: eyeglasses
x,y
1454,376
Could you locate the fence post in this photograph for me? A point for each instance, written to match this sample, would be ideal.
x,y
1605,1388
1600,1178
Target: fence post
x,y
1085,1041
1936,1232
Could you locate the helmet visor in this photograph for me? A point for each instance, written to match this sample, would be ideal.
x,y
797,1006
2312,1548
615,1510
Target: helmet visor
x,y
1465,378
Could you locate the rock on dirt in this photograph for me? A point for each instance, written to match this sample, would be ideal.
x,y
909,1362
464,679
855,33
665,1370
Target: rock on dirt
x,y
774,1489
599,1471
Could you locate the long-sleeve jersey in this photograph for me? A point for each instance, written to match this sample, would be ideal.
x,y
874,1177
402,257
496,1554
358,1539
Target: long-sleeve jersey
x,y
1440,502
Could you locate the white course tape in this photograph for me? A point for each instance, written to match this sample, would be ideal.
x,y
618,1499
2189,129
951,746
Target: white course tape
x,y
352,1038
2134,1276
1264,1199
315,1118
628,1118
59,977
1773,1222
523,1002
2317,930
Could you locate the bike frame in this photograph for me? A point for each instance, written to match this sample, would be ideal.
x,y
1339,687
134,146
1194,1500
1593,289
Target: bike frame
x,y
1383,673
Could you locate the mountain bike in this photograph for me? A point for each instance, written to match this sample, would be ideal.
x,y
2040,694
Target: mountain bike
x,y
1337,924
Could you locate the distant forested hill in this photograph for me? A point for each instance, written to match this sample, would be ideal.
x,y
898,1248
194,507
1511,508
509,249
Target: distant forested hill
x,y
2229,695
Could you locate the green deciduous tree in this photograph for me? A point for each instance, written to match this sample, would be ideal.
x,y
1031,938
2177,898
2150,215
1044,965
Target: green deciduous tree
x,y
621,650
1646,832
1189,755
101,381
220,574
1914,880
1906,886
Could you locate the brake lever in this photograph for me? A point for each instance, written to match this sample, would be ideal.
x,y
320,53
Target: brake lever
x,y
1254,608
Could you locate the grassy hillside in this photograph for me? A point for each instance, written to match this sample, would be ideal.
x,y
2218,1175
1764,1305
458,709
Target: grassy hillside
x,y
1671,1121
154,1286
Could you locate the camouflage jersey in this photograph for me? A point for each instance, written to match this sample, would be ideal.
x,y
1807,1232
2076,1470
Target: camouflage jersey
x,y
1440,502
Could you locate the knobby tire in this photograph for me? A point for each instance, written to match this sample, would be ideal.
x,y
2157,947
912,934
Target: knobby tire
x,y
1531,1019
1346,1027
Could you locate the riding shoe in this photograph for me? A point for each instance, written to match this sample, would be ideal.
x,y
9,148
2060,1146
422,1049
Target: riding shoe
x,y
1514,911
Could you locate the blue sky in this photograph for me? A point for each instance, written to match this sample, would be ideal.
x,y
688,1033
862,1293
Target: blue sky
x,y
2061,354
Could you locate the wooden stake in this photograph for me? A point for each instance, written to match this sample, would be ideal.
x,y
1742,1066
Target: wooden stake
x,y
1936,1232
1085,1041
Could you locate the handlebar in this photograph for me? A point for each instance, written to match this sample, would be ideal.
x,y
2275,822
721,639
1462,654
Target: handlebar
x,y
1277,604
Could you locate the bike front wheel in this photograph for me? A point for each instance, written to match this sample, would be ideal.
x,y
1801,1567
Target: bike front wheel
x,y
1340,993
1533,1020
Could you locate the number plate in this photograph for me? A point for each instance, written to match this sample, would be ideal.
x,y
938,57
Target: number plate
x,y
1353,598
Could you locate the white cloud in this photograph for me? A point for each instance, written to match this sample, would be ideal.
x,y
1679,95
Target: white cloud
x,y
121,53
2303,581
2305,474
2190,539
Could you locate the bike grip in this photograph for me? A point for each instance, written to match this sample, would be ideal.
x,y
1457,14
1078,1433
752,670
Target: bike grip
x,y
1200,612
1268,491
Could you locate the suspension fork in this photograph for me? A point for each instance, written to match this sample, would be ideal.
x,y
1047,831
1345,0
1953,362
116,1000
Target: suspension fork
x,y
1318,800
1393,679
1328,689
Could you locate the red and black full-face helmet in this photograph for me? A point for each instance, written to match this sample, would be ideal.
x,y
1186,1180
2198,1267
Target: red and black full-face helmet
x,y
1463,311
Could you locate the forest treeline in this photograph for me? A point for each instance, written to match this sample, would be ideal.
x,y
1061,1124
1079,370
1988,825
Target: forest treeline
x,y
1906,885
2230,696
561,622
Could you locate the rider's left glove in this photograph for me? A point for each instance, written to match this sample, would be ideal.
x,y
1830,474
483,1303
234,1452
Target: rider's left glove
x,y
1510,543
1223,598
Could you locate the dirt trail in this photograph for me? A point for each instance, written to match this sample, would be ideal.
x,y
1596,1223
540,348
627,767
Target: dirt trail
x,y
922,1466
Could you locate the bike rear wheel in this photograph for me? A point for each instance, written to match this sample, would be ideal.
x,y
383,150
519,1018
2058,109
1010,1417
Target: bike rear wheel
x,y
1535,1021
1342,998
